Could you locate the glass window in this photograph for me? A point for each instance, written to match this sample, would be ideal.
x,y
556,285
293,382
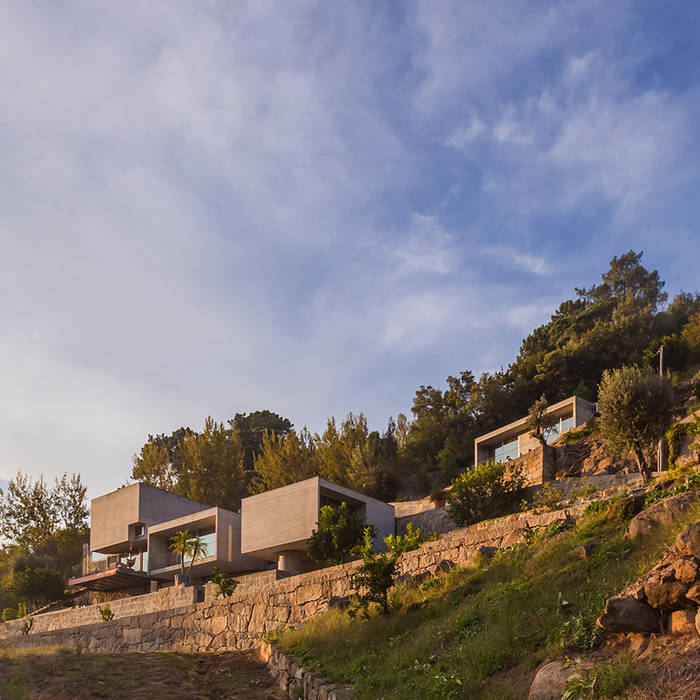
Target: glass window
x,y
507,450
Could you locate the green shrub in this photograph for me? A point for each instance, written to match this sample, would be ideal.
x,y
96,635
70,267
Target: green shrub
x,y
375,576
27,625
106,613
607,679
484,491
398,544
587,431
224,582
339,531
9,614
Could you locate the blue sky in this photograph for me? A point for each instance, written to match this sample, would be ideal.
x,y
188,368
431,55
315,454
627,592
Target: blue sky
x,y
315,207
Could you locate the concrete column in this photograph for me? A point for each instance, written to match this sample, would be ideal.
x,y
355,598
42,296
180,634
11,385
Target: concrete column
x,y
290,561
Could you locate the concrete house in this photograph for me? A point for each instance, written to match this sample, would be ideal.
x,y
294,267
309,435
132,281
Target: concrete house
x,y
278,523
129,533
513,441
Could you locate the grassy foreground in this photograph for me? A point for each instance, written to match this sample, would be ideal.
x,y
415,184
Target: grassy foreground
x,y
58,673
479,633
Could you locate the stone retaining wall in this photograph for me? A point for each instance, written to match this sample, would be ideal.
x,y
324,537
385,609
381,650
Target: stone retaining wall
x,y
259,605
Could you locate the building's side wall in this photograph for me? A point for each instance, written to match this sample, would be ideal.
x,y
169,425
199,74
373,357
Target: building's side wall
x,y
381,515
276,518
228,544
111,515
583,411
157,506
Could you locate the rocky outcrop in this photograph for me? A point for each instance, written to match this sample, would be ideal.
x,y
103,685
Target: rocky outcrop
x,y
665,512
551,678
669,593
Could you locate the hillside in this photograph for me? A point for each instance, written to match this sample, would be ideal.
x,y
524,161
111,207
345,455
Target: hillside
x,y
483,631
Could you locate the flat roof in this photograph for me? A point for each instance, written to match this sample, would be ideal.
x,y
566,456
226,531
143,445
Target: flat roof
x,y
111,580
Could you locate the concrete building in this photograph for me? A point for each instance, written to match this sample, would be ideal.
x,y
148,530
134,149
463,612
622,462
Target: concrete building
x,y
513,440
129,538
277,524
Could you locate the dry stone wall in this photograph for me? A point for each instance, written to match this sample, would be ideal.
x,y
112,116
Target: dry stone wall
x,y
259,605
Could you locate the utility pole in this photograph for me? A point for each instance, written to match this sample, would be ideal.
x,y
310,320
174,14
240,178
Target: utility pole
x,y
660,446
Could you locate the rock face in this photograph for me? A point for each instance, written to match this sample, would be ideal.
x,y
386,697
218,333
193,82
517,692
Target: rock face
x,y
662,513
624,613
668,592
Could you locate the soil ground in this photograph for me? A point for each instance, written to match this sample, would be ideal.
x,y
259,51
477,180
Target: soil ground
x,y
61,674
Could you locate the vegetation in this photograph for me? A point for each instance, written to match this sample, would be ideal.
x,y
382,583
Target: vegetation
x,y
42,528
677,434
477,632
398,544
106,613
339,532
635,410
375,576
224,582
538,420
483,492
186,544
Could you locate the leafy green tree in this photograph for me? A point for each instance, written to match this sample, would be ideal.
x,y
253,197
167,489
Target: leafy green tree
x,y
37,586
284,460
160,461
375,576
213,471
483,491
339,531
537,419
636,409
187,545
252,427
31,511
691,335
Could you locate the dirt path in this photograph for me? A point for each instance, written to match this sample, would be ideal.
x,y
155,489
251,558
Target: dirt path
x,y
59,674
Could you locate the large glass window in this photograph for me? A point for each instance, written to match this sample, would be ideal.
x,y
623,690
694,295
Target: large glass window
x,y
507,450
554,431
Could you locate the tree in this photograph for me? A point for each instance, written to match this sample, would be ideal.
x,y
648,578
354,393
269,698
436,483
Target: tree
x,y
253,426
186,544
636,408
37,586
284,460
691,334
483,491
212,466
375,576
31,511
338,531
537,419
160,461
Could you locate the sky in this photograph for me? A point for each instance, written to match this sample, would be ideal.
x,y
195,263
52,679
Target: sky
x,y
314,208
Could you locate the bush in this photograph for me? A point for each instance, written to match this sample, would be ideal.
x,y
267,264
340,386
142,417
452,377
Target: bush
x,y
375,576
224,582
37,586
635,411
9,614
398,544
483,491
106,613
339,531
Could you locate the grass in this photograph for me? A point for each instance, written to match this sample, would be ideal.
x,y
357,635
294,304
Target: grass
x,y
56,673
480,632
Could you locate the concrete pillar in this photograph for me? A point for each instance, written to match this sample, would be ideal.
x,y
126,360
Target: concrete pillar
x,y
290,561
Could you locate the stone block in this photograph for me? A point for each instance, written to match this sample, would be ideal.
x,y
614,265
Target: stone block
x,y
682,622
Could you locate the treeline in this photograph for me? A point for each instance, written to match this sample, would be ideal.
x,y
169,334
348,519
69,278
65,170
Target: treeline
x,y
42,530
621,321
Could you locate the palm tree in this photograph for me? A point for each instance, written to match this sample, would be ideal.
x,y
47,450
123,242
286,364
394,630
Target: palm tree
x,y
185,543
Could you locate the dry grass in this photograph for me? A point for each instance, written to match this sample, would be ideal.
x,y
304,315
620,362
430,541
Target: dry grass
x,y
58,674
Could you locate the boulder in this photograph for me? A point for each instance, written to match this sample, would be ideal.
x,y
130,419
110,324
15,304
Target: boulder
x,y
664,512
688,541
486,551
694,593
666,593
339,602
550,680
445,566
627,614
682,622
686,570
515,536
585,549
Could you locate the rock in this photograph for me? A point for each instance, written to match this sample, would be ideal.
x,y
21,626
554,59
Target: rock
x,y
666,594
686,570
585,549
662,513
627,614
697,621
688,541
339,602
485,551
445,566
638,643
682,622
694,593
550,680
515,536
